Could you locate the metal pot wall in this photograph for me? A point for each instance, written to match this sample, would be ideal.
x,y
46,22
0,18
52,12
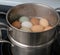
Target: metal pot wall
x,y
43,49
34,10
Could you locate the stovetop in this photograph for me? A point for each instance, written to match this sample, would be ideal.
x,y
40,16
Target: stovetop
x,y
5,49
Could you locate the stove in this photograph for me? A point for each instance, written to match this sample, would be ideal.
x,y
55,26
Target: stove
x,y
5,49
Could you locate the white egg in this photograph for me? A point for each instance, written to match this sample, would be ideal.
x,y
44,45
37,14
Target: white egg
x,y
26,24
25,29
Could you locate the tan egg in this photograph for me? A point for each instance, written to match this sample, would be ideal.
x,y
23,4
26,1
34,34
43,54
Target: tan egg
x,y
44,22
34,21
47,28
37,28
16,24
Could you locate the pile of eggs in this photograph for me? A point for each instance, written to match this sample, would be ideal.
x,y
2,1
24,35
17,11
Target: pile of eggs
x,y
32,24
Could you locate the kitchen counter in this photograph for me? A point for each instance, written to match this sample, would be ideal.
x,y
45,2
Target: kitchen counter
x,y
52,3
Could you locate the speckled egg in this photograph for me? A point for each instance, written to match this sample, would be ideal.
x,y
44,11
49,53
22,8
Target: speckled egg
x,y
25,29
37,28
47,28
34,21
16,24
44,22
23,19
26,24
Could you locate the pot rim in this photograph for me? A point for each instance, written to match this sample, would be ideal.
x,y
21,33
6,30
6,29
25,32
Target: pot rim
x,y
32,4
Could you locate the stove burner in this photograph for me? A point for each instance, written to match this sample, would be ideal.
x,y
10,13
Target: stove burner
x,y
5,49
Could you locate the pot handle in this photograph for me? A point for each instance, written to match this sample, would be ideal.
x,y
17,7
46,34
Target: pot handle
x,y
57,9
3,27
58,27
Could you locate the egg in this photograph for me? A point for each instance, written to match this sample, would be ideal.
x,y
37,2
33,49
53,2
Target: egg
x,y
44,22
37,28
34,21
23,18
25,29
47,28
26,24
16,24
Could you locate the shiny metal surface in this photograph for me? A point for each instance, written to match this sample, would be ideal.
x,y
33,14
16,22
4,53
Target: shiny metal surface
x,y
31,50
14,42
3,27
37,10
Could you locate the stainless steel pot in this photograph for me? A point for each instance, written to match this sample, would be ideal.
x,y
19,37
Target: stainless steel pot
x,y
34,10
22,49
27,43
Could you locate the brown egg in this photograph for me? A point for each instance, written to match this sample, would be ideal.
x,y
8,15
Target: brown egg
x,y
47,28
16,24
34,21
43,22
37,28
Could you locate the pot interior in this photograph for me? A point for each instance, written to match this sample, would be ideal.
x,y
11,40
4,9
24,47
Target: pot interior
x,y
33,10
